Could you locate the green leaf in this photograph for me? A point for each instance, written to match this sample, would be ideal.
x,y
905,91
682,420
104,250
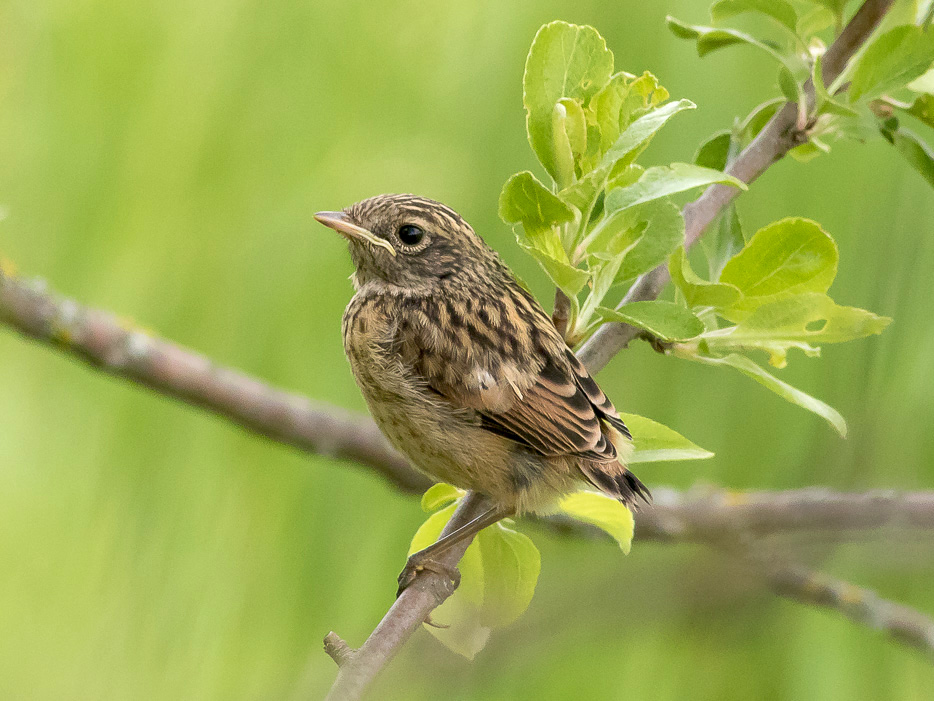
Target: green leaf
x,y
827,103
511,565
714,152
892,60
439,495
915,151
815,21
575,125
601,511
759,117
655,442
665,320
637,135
662,181
524,199
565,60
923,109
779,10
787,257
724,242
782,389
570,279
697,291
662,230
713,38
925,83
803,321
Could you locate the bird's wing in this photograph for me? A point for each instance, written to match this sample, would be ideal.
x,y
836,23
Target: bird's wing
x,y
541,397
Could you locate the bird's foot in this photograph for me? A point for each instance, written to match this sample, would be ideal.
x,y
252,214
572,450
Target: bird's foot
x,y
418,563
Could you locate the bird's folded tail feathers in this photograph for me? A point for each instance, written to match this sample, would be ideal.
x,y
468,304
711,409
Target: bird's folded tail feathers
x,y
616,481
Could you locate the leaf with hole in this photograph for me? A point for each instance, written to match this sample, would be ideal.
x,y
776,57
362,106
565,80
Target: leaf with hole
x,y
803,321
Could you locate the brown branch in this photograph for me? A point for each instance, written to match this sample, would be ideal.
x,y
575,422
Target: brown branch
x,y
112,345
777,138
860,605
410,610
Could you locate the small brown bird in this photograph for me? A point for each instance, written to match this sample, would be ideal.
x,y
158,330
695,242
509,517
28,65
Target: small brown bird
x,y
464,371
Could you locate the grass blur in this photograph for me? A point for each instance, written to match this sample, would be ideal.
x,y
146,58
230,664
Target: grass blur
x,y
163,160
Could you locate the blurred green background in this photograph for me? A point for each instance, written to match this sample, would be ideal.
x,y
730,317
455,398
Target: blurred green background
x,y
163,160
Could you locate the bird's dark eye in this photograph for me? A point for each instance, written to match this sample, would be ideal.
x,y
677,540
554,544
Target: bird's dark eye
x,y
410,235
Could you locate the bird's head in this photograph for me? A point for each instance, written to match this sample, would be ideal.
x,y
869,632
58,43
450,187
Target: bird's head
x,y
410,242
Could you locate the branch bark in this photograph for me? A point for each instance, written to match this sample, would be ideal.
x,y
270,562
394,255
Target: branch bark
x,y
108,343
860,605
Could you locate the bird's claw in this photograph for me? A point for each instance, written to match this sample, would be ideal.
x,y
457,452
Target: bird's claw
x,y
415,565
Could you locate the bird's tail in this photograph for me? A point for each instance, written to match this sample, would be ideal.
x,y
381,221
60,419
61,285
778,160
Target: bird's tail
x,y
613,477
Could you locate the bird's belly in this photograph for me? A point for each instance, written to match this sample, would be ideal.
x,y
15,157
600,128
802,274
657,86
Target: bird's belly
x,y
446,443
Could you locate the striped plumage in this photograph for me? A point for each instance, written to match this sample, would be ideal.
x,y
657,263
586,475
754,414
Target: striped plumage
x,y
464,371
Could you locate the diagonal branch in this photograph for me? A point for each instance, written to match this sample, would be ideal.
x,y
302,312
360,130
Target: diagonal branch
x,y
862,606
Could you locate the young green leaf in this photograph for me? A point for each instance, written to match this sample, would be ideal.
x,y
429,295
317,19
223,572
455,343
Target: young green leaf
x,y
525,200
565,61
759,117
662,231
714,152
802,321
439,495
665,320
816,20
779,10
601,511
637,135
697,291
570,279
511,565
916,152
713,38
787,257
923,109
782,389
892,60
724,242
655,442
662,181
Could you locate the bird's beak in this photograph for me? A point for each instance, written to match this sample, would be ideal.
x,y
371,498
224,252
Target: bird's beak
x,y
341,223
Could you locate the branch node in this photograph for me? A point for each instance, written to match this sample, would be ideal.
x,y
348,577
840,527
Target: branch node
x,y
337,649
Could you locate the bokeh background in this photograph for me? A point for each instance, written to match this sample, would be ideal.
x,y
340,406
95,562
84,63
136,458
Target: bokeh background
x,y
163,160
